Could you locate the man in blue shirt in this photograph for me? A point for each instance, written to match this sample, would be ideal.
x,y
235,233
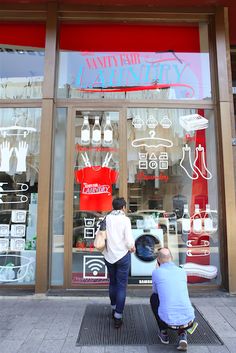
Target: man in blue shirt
x,y
170,299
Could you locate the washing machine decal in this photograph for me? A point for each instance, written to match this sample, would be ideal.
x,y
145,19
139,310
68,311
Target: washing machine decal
x,y
144,259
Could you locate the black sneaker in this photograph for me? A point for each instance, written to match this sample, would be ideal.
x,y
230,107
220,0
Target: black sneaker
x,y
164,338
183,343
118,322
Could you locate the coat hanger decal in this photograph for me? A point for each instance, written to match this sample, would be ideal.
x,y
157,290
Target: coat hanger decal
x,y
16,130
152,141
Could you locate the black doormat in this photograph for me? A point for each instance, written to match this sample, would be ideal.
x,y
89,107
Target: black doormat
x,y
139,327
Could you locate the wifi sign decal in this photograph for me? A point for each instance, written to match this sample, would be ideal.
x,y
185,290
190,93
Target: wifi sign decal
x,y
94,267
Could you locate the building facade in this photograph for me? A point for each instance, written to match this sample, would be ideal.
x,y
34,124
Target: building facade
x,y
115,101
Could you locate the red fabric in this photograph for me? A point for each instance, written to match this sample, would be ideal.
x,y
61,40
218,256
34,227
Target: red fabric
x,y
105,37
127,37
96,188
23,34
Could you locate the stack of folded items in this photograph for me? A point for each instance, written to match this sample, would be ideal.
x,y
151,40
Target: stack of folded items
x,y
205,271
193,122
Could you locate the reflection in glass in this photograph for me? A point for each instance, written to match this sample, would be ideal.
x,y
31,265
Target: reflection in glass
x,y
134,75
22,80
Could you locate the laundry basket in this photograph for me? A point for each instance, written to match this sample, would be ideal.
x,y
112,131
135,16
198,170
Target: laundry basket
x,y
16,268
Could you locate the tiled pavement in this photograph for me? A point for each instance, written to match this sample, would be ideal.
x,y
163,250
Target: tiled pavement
x,y
40,324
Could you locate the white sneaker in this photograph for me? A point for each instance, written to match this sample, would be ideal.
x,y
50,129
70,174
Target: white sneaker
x,y
205,271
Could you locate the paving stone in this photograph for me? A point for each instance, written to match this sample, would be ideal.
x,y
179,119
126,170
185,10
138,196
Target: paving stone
x,y
218,349
229,301
197,349
70,346
50,346
217,322
20,332
3,333
135,349
10,346
229,315
32,344
93,349
114,349
230,343
59,331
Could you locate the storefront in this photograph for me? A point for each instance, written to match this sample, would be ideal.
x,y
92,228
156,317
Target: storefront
x,y
96,104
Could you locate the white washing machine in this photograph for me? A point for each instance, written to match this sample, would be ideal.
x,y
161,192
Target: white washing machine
x,y
143,261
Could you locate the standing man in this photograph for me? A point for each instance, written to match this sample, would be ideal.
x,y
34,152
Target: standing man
x,y
120,244
170,299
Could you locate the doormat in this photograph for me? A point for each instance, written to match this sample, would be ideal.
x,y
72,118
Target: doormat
x,y
139,327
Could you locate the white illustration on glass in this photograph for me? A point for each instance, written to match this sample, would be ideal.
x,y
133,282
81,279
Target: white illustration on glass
x,y
200,160
186,222
152,157
199,252
19,268
153,164
151,122
22,199
96,132
17,244
204,271
138,123
143,155
186,163
208,220
143,164
197,220
94,267
23,187
89,222
152,141
6,153
89,233
163,160
4,245
165,122
18,216
21,153
108,132
18,230
16,130
201,244
86,159
107,159
4,230
193,122
85,132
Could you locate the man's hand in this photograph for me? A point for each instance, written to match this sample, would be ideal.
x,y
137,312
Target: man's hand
x,y
133,249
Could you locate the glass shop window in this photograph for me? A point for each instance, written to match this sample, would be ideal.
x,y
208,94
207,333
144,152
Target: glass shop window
x,y
169,69
173,190
21,60
19,169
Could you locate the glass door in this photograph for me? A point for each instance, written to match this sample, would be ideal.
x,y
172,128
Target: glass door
x,y
96,182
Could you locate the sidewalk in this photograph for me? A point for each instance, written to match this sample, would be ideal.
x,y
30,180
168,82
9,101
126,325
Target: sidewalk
x,y
41,324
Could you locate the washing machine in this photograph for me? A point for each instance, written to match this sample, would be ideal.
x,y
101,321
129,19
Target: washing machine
x,y
144,259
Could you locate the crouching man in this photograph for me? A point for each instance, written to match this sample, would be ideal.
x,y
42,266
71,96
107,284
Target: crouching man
x,y
170,299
